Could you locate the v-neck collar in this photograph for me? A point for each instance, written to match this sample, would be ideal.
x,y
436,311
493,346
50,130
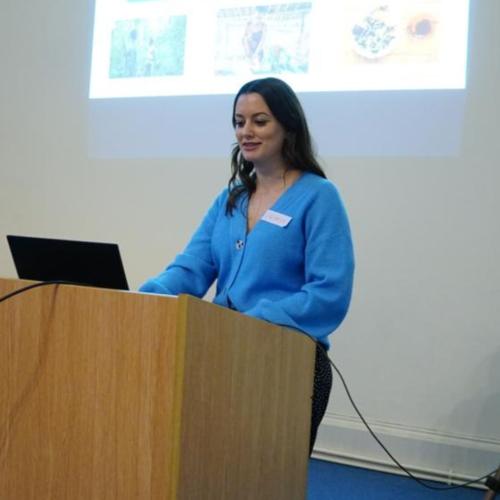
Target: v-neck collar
x,y
280,204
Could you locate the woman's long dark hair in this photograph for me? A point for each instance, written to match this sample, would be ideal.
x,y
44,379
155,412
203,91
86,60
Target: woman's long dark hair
x,y
297,147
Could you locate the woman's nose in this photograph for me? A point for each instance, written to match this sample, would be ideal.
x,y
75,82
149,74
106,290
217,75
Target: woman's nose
x,y
247,130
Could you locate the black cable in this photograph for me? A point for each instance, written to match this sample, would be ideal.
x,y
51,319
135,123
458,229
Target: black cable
x,y
389,454
36,285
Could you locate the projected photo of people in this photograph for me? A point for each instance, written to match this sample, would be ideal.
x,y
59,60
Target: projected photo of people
x,y
393,32
148,47
264,39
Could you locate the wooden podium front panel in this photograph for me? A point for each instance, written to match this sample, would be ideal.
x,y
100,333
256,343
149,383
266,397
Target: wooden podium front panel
x,y
116,395
87,394
246,407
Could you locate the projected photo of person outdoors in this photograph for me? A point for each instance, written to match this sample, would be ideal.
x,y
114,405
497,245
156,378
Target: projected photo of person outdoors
x,y
263,39
277,239
254,39
147,47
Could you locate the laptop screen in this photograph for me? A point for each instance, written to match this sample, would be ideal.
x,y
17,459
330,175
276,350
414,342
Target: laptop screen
x,y
89,263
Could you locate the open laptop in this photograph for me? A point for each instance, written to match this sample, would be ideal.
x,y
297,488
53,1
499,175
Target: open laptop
x,y
85,262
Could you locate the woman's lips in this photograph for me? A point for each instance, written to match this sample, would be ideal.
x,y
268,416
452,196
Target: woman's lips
x,y
250,146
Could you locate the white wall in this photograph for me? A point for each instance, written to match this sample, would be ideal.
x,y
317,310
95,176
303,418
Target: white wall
x,y
420,348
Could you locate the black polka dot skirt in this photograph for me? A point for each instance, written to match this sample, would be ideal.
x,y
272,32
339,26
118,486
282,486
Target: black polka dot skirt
x,y
321,391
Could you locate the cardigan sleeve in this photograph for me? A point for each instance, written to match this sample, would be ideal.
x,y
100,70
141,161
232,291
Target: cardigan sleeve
x,y
321,304
193,270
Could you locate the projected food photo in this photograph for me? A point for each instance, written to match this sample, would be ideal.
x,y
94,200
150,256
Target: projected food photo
x,y
394,32
376,34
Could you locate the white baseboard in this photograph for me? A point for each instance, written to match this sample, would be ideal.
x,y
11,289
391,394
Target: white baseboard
x,y
427,454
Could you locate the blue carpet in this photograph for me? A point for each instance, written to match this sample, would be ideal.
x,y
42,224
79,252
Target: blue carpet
x,y
329,481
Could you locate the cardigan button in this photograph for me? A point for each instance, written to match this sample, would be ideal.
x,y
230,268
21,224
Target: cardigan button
x,y
239,244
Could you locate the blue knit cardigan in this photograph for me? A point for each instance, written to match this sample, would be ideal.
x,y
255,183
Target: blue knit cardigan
x,y
299,275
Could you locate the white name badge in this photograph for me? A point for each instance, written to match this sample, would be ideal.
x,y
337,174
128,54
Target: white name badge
x,y
276,218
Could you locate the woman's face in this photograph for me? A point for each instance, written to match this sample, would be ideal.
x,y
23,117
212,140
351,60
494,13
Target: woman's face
x,y
259,134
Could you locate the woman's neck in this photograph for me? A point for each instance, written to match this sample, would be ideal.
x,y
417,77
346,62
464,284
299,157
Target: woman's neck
x,y
275,180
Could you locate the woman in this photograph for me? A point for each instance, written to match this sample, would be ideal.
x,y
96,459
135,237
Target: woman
x,y
277,239
253,40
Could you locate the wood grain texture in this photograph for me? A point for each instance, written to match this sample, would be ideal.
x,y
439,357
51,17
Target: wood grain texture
x,y
119,395
246,407
86,410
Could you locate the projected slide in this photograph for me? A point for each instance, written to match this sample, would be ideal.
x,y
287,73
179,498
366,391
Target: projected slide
x,y
167,48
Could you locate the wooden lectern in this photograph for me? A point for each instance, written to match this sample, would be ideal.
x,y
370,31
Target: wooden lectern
x,y
120,395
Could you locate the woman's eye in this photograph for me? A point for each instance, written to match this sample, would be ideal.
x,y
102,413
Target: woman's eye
x,y
260,123
238,124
